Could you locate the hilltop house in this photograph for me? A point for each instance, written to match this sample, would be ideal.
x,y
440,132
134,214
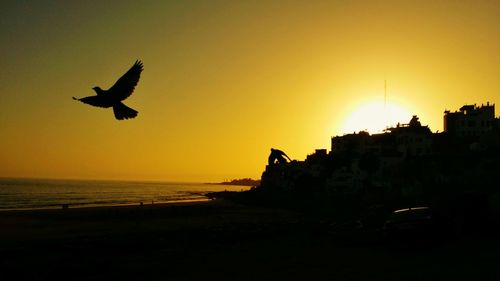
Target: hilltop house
x,y
470,120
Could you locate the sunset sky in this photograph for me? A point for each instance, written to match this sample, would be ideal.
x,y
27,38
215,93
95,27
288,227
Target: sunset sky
x,y
224,81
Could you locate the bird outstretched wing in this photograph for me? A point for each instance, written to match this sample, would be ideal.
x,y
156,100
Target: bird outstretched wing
x,y
99,101
124,87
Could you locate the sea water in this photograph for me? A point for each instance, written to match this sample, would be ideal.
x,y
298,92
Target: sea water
x,y
46,194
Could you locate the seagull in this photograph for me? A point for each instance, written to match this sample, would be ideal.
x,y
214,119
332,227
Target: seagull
x,y
114,96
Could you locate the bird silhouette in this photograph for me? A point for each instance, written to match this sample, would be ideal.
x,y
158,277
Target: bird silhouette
x,y
114,96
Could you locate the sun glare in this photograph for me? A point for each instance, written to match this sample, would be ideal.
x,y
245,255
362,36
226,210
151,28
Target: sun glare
x,y
375,117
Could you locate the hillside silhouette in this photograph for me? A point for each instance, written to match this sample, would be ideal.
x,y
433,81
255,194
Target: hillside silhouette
x,y
366,177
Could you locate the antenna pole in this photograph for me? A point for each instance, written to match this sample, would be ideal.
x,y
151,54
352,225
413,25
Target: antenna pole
x,y
386,117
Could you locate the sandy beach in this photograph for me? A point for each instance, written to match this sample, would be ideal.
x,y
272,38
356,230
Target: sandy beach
x,y
219,240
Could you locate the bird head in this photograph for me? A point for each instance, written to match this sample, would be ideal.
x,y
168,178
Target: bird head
x,y
97,90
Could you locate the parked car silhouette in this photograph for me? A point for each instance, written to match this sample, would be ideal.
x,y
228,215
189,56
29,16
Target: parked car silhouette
x,y
416,222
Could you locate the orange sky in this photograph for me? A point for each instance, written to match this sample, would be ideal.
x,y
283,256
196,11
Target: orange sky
x,y
225,81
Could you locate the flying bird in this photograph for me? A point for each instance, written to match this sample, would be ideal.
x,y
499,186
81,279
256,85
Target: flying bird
x,y
114,96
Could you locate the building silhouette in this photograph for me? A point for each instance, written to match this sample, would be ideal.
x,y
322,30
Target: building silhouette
x,y
367,176
404,140
408,157
471,120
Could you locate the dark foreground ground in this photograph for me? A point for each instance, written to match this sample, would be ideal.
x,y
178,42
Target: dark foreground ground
x,y
218,240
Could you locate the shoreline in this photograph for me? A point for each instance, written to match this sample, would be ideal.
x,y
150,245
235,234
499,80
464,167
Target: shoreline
x,y
45,194
95,206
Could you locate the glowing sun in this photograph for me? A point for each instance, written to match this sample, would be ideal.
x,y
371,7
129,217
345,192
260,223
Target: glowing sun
x,y
375,117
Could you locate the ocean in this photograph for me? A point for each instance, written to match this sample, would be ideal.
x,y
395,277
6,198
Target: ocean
x,y
17,194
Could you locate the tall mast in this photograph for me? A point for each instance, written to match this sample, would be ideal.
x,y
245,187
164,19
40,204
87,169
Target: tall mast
x,y
386,114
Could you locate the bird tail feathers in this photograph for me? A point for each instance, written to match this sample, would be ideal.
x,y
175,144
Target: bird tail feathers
x,y
123,112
